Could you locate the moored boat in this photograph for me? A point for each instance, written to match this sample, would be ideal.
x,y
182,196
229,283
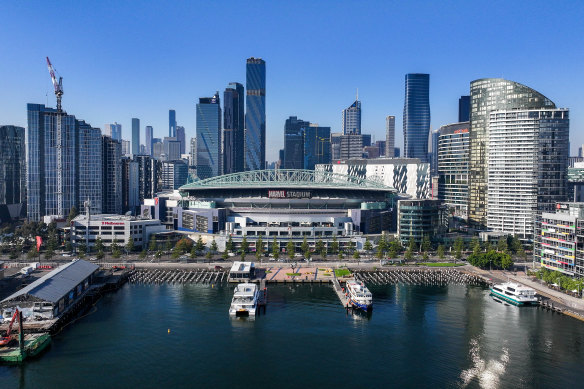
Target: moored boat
x,y
359,296
245,300
514,293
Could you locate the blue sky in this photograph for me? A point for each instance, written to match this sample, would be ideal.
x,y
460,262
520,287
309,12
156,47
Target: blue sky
x,y
138,59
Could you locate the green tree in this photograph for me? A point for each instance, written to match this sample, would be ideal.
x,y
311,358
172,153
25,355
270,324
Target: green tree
x,y
259,247
99,245
130,245
176,252
379,253
158,254
100,255
208,255
425,256
458,246
381,247
502,245
488,246
441,252
394,249
319,246
168,245
356,254
68,246
143,254
49,253
367,246
244,245
409,255
426,244
341,254
412,245
290,249
225,255
81,249
72,214
476,245
242,255
305,248
116,252
335,246
31,253
229,245
214,246
275,249
194,252
152,244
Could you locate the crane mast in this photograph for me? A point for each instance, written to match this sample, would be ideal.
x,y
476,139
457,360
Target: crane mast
x,y
58,85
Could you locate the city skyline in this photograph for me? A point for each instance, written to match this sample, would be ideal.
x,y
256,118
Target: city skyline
x,y
296,87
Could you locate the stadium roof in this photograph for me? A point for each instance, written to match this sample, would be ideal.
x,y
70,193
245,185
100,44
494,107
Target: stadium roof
x,y
56,284
287,178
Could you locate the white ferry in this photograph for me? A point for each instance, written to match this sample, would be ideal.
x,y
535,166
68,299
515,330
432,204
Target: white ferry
x,y
245,300
514,293
359,296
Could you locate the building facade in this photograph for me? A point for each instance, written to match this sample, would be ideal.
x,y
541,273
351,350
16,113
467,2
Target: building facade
x,y
464,109
171,123
527,167
12,173
135,136
233,128
294,142
419,218
453,156
113,130
351,121
416,120
487,95
208,137
317,146
130,185
171,149
174,174
90,168
180,137
112,176
148,137
390,137
255,114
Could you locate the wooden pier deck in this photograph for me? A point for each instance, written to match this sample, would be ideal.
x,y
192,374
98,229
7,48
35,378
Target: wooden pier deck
x,y
340,294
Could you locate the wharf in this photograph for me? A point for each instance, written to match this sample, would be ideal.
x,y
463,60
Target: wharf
x,y
340,294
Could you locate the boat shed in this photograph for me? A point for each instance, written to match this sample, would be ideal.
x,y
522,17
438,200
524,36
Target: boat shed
x,y
52,294
242,271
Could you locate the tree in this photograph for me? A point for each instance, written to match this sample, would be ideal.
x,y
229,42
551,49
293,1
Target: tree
x,y
100,255
335,246
31,253
194,252
488,246
426,244
412,245
458,246
425,256
379,253
502,245
130,245
49,253
367,246
81,249
72,214
68,246
319,246
275,249
441,252
142,254
214,246
259,247
244,246
229,245
225,255
476,245
409,255
356,254
381,247
341,255
305,248
158,254
184,245
290,248
116,252
394,249
152,244
208,255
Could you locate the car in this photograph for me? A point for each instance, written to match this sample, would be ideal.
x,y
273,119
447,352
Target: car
x,y
218,268
298,255
231,254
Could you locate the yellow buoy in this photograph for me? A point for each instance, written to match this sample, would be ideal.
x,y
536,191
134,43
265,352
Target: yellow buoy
x,y
169,330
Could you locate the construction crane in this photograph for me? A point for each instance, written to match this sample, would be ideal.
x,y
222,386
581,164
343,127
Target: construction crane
x,y
5,340
58,85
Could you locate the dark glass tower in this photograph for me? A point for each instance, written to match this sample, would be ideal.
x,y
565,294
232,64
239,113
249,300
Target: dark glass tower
x,y
294,143
208,137
233,127
171,123
464,109
13,172
255,114
416,120
317,146
135,136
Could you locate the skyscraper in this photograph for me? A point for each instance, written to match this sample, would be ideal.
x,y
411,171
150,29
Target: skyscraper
x,y
113,130
112,176
208,137
352,119
180,136
317,146
90,167
453,154
464,109
233,128
171,149
135,136
12,173
416,120
255,114
171,123
52,162
487,95
294,142
149,133
389,136
527,167
434,135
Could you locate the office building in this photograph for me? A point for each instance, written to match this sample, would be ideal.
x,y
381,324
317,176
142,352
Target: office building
x,y
90,167
209,137
317,146
130,185
336,145
389,136
352,119
148,136
527,167
294,142
381,145
172,123
233,128
433,154
171,149
351,146
157,148
149,177
416,120
419,218
180,136
135,136
453,155
12,173
255,114
487,95
126,148
464,109
113,130
174,174
112,176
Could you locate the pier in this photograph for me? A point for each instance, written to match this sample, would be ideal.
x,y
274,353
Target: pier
x,y
416,276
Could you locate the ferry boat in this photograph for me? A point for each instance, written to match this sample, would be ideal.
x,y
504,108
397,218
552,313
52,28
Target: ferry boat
x,y
514,293
245,300
359,296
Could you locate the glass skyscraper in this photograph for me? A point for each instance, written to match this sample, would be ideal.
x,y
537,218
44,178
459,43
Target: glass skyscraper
x,y
90,168
487,95
208,137
171,123
352,119
113,130
135,136
233,128
317,146
255,114
294,143
112,175
12,172
149,133
464,109
389,136
416,120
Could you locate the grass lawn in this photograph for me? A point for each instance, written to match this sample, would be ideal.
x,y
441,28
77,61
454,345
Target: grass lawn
x,y
293,274
442,264
342,272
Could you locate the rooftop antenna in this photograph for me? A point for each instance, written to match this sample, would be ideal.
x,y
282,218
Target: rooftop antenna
x,y
357,94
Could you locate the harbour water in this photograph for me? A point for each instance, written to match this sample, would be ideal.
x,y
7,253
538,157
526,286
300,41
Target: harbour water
x,y
152,336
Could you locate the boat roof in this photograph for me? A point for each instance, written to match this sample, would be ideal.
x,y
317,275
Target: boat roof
x,y
239,267
515,285
245,289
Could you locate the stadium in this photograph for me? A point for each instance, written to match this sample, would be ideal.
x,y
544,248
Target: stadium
x,y
287,204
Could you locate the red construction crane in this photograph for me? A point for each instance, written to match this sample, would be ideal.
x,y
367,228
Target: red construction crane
x,y
58,85
6,339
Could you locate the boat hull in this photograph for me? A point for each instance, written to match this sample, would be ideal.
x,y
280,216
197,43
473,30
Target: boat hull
x,y
512,300
363,307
